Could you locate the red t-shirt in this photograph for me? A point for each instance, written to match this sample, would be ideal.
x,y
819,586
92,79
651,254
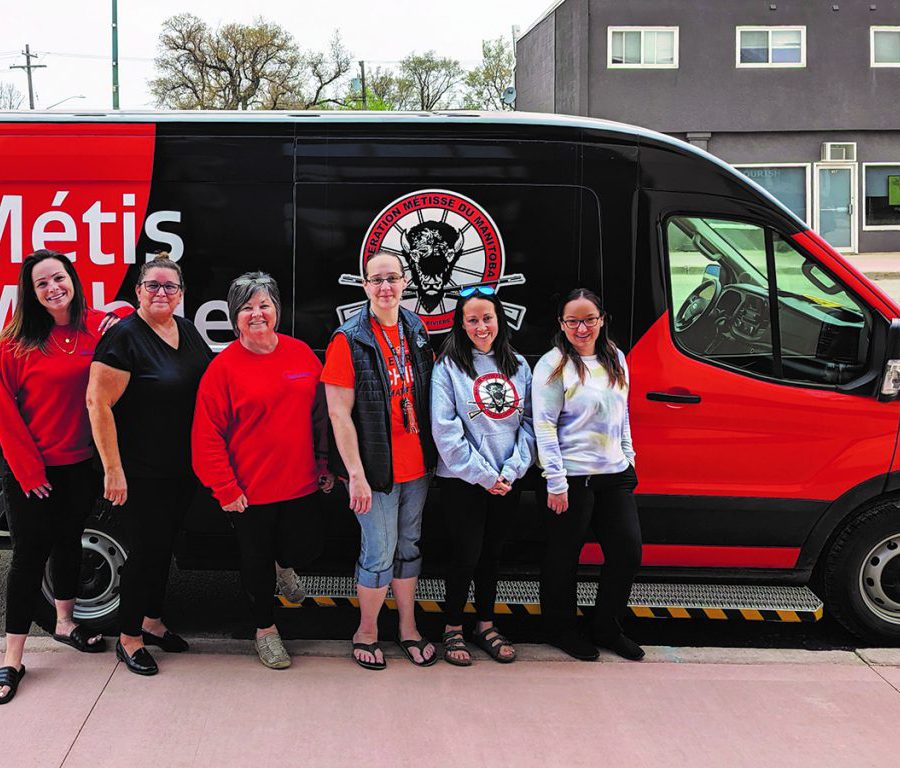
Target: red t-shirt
x,y
406,448
43,416
260,426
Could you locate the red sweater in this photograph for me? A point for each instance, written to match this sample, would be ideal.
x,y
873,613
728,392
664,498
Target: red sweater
x,y
43,417
260,426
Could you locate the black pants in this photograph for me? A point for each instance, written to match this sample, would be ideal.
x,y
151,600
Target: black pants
x,y
150,521
607,506
43,529
477,523
286,531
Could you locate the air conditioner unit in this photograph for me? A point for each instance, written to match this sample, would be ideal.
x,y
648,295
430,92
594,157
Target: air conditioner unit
x,y
832,150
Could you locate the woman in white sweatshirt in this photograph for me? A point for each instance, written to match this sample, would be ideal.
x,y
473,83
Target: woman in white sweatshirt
x,y
481,422
580,399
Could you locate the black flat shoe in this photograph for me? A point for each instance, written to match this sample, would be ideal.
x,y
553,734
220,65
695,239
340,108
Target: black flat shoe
x,y
575,645
169,642
140,662
621,646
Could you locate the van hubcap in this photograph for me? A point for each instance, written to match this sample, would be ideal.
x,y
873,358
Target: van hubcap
x,y
102,558
879,579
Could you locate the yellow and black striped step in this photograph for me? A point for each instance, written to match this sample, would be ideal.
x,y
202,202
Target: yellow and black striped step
x,y
717,602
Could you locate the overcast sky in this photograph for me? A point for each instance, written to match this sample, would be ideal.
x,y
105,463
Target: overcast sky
x,y
73,38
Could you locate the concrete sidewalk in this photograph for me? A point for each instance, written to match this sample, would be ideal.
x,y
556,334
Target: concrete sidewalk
x,y
680,707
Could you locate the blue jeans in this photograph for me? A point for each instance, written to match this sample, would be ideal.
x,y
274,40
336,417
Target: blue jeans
x,y
390,534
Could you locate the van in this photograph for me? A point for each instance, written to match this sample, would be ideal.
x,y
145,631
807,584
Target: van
x,y
765,369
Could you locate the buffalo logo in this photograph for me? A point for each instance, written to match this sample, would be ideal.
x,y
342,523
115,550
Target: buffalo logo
x,y
447,243
495,396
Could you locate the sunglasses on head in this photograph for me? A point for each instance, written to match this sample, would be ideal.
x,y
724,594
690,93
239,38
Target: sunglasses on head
x,y
483,290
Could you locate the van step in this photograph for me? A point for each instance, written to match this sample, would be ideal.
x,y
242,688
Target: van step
x,y
652,601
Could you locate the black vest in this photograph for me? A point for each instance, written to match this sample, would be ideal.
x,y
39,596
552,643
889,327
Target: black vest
x,y
372,406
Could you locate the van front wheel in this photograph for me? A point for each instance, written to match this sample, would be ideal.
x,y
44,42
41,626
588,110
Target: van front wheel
x,y
862,575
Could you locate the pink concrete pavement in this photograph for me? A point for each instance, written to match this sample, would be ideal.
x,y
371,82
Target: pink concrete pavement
x,y
211,709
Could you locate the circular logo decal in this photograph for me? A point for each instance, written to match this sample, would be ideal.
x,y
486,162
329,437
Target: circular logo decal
x,y
495,395
446,241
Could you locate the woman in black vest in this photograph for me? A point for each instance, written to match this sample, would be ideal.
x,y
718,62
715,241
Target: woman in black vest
x,y
377,376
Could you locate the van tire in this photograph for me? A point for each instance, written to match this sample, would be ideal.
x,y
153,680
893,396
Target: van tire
x,y
862,575
104,552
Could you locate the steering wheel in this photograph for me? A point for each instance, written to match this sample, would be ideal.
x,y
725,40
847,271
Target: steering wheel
x,y
696,306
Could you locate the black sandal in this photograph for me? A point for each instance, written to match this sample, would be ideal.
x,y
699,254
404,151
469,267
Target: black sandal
x,y
10,676
78,639
421,644
493,645
454,642
369,648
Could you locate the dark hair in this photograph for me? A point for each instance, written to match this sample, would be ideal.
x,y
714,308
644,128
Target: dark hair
x,y
31,323
606,351
457,347
244,288
384,253
163,261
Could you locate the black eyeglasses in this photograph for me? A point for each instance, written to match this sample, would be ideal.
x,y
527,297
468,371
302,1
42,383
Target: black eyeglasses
x,y
588,322
483,290
153,287
390,280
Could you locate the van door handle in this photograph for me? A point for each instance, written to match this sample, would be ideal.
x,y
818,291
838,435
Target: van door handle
x,y
671,397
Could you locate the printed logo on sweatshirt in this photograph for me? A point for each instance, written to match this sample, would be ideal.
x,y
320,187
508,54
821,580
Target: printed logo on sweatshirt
x,y
495,396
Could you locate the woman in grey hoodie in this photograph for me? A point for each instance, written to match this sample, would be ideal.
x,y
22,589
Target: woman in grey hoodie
x,y
481,422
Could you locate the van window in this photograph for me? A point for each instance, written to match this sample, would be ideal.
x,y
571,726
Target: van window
x,y
721,287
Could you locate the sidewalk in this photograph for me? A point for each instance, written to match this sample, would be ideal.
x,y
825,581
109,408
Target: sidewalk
x,y
217,706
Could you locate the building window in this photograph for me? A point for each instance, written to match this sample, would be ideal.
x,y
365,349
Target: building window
x,y
787,183
771,47
881,187
885,46
642,47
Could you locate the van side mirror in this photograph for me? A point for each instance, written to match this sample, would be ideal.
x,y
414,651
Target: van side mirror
x,y
713,271
890,381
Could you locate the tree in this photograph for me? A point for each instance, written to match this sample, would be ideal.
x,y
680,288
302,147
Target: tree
x,y
242,66
486,83
426,82
10,96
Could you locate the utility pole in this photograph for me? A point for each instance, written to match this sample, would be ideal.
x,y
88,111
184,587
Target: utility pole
x,y
362,80
115,54
28,66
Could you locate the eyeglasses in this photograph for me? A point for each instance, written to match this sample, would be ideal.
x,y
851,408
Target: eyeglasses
x,y
379,281
153,287
588,322
483,290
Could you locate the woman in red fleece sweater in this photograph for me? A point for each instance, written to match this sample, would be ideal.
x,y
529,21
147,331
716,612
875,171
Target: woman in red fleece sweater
x,y
260,443
45,356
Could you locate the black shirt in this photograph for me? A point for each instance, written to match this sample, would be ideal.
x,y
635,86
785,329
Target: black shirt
x,y
155,413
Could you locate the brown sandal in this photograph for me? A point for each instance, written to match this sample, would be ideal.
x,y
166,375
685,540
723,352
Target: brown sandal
x,y
454,642
493,645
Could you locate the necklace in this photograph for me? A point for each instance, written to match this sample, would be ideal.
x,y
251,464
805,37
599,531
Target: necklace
x,y
67,340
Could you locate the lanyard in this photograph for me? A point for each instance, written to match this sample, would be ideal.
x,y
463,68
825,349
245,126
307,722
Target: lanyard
x,y
399,361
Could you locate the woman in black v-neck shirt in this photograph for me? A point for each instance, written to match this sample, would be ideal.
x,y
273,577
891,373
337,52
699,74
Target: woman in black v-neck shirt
x,y
141,397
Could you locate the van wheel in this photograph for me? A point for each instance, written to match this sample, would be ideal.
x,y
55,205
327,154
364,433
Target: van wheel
x,y
862,575
103,553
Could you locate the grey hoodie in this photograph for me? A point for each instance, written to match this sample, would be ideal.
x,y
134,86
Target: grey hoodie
x,y
482,428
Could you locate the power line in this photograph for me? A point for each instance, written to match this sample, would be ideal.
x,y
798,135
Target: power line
x,y
28,66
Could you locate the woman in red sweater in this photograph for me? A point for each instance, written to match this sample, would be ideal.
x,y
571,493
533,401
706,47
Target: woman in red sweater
x,y
260,444
45,356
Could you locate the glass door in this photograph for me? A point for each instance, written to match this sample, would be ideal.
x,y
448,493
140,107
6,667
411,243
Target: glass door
x,y
836,205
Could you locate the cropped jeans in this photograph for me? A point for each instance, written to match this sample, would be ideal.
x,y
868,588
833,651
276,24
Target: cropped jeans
x,y
391,530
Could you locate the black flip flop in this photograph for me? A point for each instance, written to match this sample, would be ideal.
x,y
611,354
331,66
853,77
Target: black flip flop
x,y
369,648
10,676
78,639
421,644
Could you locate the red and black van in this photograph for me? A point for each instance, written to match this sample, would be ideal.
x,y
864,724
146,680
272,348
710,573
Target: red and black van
x,y
765,369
